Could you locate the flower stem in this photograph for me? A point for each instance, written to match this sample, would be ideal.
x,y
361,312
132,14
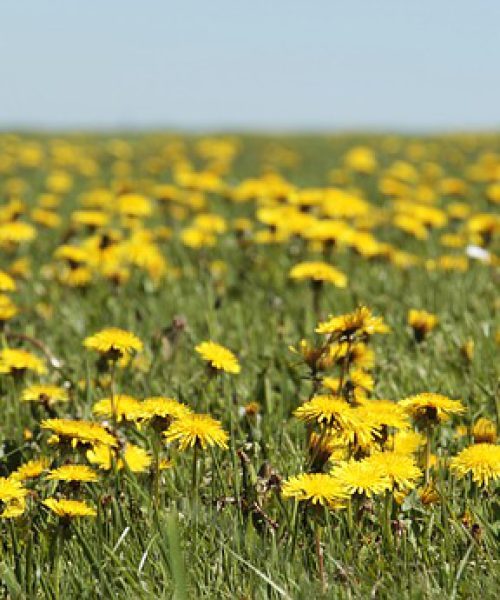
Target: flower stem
x,y
428,448
320,557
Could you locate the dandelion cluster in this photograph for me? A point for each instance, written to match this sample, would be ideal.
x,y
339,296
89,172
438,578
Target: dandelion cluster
x,y
261,355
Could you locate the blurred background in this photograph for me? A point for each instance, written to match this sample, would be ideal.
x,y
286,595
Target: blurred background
x,y
263,65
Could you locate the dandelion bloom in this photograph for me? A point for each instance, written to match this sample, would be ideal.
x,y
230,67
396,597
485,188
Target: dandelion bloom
x,y
14,508
358,383
196,429
467,350
8,309
432,407
360,323
327,410
383,413
361,478
340,419
68,509
481,460
316,488
159,407
401,469
220,358
422,322
73,473
357,353
49,394
113,341
13,360
320,272
484,431
121,406
31,470
11,489
7,283
78,431
406,442
135,458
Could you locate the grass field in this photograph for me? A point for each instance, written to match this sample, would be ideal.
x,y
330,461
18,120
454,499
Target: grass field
x,y
184,240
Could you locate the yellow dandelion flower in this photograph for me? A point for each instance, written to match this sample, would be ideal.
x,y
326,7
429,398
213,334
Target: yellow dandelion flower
x,y
73,473
316,488
78,277
358,383
359,354
484,431
68,509
113,341
318,271
160,407
45,393
7,283
197,429
432,407
422,322
13,360
11,489
74,255
467,350
406,442
401,469
8,309
481,460
31,470
136,458
134,205
78,431
360,323
122,407
16,232
361,478
327,410
383,413
219,357
14,508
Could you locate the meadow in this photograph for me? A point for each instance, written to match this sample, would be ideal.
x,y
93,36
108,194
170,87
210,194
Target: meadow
x,y
249,366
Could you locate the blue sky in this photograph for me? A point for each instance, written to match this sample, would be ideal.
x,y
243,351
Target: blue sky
x,y
257,64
